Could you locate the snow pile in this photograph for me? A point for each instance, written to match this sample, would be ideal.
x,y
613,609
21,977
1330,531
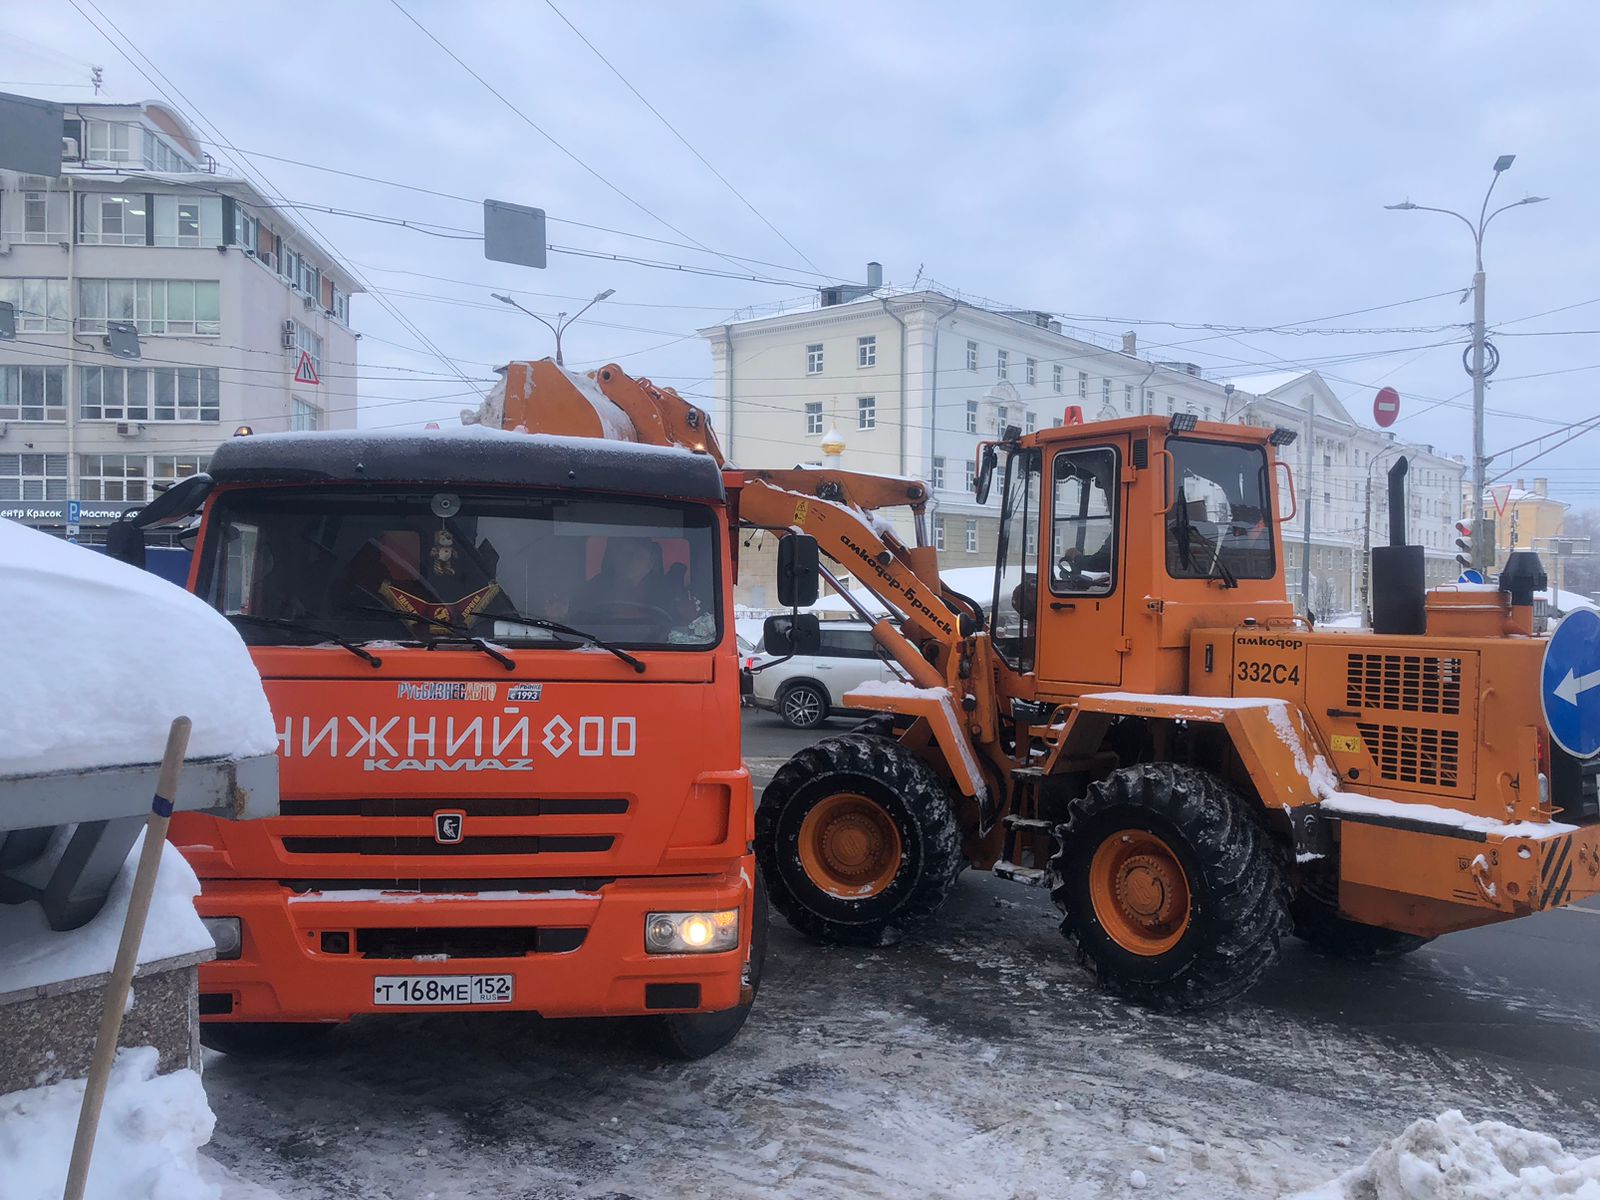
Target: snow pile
x,y
31,953
1450,1158
109,656
1356,804
146,1148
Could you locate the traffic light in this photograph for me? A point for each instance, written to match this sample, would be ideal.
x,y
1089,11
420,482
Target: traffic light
x,y
1475,544
1464,545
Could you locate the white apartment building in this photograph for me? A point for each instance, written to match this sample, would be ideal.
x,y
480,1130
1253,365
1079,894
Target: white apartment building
x,y
913,380
243,319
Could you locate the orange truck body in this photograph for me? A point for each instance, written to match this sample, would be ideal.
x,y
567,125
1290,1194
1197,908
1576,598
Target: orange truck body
x,y
442,815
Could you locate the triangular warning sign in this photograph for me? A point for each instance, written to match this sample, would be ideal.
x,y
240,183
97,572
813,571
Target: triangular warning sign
x,y
1500,495
306,372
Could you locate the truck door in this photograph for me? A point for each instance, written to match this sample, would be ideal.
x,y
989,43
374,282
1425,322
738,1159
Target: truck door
x,y
1081,606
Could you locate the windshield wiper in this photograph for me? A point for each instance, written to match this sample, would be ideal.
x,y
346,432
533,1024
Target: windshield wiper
x,y
581,634
514,617
1184,528
315,630
463,636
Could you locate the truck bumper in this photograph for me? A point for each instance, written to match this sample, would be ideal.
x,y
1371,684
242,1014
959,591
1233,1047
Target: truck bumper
x,y
315,956
1430,881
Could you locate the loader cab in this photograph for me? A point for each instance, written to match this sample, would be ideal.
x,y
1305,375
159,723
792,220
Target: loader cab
x,y
1117,538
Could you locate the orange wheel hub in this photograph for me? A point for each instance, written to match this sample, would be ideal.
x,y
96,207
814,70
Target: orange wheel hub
x,y
1139,891
850,847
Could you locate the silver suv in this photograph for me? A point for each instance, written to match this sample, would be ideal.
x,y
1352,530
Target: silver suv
x,y
805,690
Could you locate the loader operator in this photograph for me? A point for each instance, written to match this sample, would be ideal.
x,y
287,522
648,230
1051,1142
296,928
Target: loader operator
x,y
1083,520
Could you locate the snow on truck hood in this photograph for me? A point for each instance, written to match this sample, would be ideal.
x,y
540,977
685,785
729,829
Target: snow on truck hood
x,y
99,657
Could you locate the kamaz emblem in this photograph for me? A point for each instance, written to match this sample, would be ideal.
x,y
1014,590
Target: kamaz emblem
x,y
448,827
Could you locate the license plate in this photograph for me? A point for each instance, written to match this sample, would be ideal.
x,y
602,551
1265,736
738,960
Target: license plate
x,y
422,990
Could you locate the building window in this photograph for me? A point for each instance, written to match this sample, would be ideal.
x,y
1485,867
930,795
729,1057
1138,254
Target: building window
x,y
1030,423
113,220
169,468
304,416
972,537
1002,362
113,477
109,141
1000,420
866,412
246,230
1030,542
1058,378
1033,371
972,416
814,359
1171,405
40,304
181,306
866,352
972,477
33,393
148,393
972,356
33,476
1105,392
1083,385
341,306
188,221
310,343
813,417
938,473
938,533
44,218
1056,422
159,156
1127,398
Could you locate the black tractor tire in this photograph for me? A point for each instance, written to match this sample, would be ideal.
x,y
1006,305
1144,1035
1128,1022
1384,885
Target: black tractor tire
x,y
1317,923
1237,908
263,1039
690,1036
802,705
900,791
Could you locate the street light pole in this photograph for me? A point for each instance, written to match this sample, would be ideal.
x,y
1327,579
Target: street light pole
x,y
1482,546
562,320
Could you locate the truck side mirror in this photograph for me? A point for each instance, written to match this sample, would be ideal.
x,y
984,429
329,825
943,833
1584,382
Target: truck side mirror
x,y
980,486
125,542
786,635
797,570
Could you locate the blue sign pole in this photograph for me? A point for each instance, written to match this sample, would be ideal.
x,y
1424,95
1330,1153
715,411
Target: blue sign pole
x,y
1569,683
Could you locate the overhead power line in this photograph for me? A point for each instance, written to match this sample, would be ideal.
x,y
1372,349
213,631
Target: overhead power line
x,y
721,178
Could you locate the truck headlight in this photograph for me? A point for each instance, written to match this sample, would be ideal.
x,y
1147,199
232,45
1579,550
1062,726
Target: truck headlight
x,y
691,932
226,933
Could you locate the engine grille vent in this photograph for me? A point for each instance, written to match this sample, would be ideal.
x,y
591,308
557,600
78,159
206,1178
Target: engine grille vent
x,y
1404,683
1408,754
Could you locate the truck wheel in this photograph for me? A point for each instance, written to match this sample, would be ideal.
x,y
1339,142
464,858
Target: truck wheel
x,y
1317,923
803,706
688,1036
854,835
1170,887
262,1039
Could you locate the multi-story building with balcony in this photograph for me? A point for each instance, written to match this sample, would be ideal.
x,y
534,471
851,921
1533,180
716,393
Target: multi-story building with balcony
x,y
242,318
913,380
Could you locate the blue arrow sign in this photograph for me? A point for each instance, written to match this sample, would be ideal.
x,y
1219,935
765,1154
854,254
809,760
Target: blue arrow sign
x,y
1471,575
1569,684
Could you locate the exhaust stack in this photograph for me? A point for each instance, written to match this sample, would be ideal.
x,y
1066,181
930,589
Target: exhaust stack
x,y
1399,587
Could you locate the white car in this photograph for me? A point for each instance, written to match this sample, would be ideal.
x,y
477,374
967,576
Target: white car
x,y
805,690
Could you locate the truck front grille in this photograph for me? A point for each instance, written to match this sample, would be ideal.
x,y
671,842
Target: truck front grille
x,y
408,846
466,942
472,806
1421,683
1411,754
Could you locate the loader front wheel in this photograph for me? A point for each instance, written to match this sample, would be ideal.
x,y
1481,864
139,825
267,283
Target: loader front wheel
x,y
856,835
1170,887
1317,923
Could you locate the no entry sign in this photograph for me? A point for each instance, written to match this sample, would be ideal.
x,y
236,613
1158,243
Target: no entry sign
x,y
1386,407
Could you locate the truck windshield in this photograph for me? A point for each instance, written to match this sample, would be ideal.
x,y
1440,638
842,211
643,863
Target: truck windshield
x,y
393,564
1220,522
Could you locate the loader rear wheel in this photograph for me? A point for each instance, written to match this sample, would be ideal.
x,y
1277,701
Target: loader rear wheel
x,y
1317,923
1170,887
856,835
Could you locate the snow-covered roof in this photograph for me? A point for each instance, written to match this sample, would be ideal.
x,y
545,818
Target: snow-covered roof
x,y
101,658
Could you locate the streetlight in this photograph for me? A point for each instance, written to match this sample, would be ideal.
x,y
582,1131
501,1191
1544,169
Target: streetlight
x,y
562,320
1480,551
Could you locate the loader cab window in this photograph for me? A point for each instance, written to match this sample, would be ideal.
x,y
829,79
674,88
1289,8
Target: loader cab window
x,y
1014,610
1220,522
1083,545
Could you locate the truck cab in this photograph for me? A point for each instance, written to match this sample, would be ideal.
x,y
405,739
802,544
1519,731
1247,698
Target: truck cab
x,y
505,679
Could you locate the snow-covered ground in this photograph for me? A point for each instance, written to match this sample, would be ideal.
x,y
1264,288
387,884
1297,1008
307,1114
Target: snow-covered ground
x,y
972,1059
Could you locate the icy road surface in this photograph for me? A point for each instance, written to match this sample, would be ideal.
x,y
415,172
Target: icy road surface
x,y
973,1060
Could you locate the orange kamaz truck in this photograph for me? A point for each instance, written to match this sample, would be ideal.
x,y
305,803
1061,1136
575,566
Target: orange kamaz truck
x,y
505,679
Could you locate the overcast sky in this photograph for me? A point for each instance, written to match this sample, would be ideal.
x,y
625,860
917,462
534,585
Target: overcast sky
x,y
1197,163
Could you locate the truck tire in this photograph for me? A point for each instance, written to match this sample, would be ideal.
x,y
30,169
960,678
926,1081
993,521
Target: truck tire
x,y
689,1036
1317,923
856,835
1170,887
802,705
262,1039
